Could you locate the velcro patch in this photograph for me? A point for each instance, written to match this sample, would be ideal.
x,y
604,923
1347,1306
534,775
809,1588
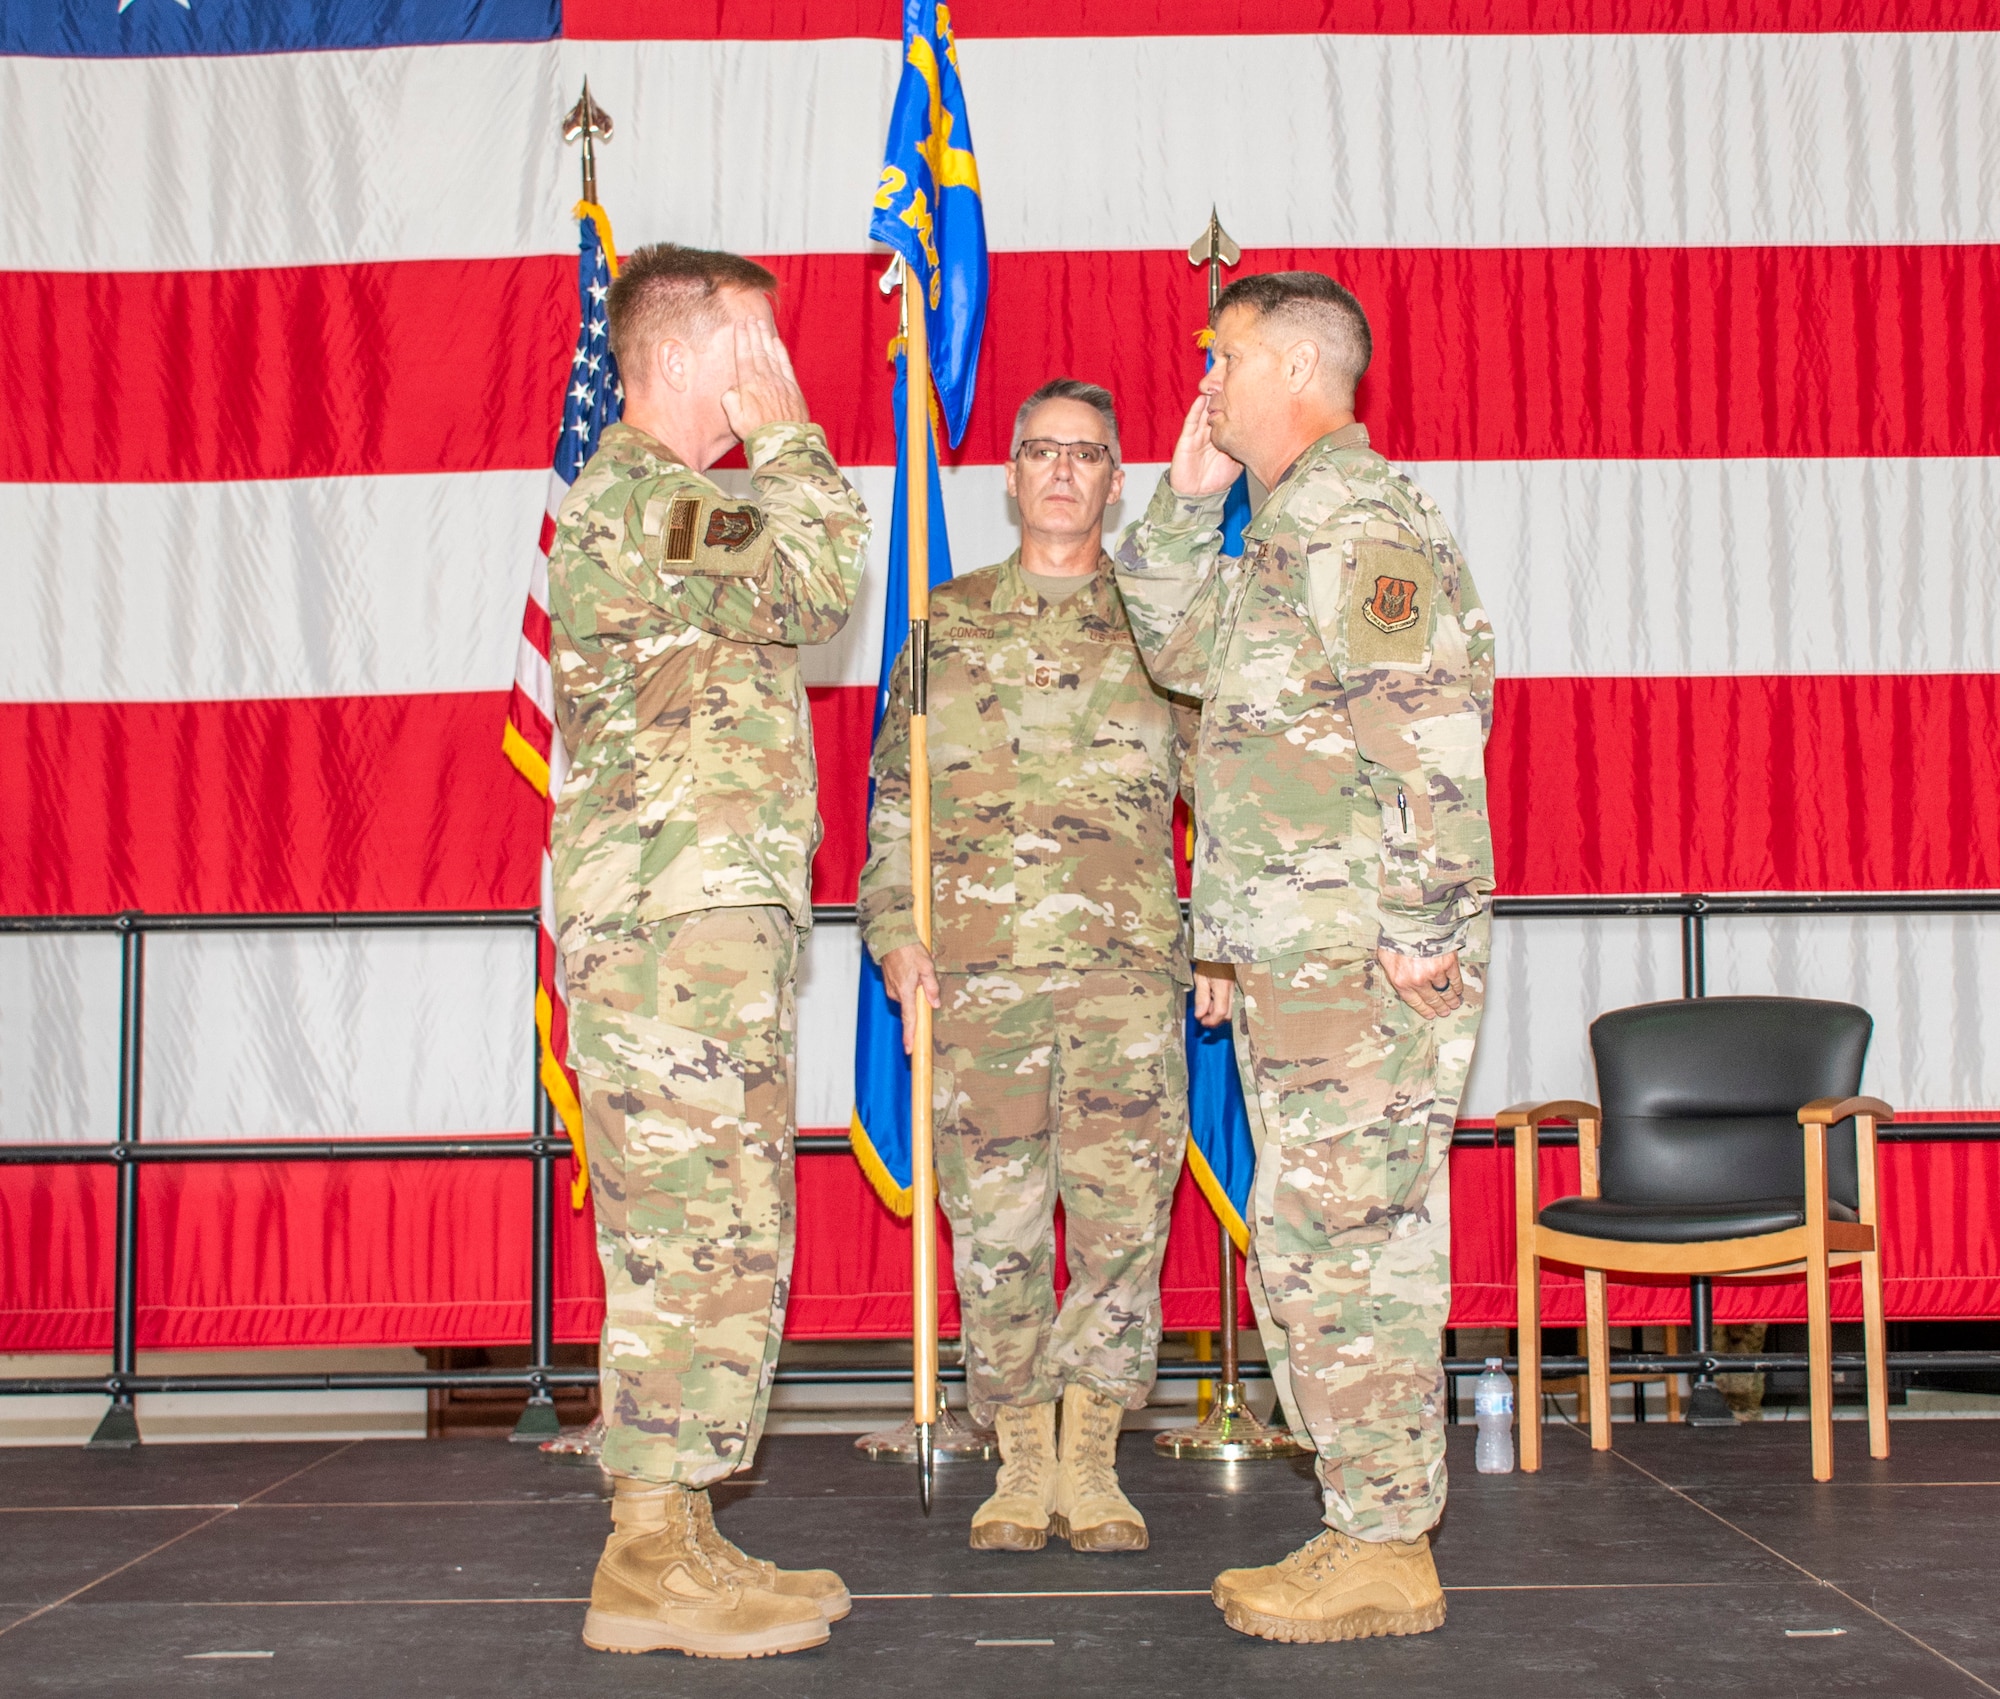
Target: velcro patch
x,y
711,537
1391,605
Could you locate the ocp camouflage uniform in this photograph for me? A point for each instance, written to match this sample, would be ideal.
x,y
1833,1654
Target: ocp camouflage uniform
x,y
682,844
1346,670
1060,1064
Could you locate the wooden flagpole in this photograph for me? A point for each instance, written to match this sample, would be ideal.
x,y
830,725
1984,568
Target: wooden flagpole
x,y
923,1167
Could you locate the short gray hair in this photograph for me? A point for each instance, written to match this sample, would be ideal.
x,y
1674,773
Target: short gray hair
x,y
1327,312
1069,389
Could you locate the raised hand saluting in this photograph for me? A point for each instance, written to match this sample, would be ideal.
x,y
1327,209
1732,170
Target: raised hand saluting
x,y
766,391
1199,468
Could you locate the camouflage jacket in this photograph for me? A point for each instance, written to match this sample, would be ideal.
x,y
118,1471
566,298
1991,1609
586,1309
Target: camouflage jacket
x,y
1055,762
675,611
1345,667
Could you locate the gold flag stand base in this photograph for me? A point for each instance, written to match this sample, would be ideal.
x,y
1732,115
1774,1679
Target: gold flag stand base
x,y
1229,1433
952,1440
585,1443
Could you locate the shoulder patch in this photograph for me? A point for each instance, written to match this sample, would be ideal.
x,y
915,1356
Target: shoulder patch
x,y
680,531
730,541
732,529
1391,604
701,533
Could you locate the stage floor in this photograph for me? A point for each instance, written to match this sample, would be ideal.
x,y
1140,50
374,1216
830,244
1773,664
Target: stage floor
x,y
1687,1562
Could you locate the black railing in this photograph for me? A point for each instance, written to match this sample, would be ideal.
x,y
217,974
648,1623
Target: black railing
x,y
544,1148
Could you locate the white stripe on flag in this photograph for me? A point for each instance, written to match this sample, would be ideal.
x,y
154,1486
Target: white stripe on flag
x,y
295,587
534,679
773,147
364,586
1639,567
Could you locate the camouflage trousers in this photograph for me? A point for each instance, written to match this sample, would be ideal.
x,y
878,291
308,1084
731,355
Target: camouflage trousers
x,y
1352,1096
682,1038
1072,1085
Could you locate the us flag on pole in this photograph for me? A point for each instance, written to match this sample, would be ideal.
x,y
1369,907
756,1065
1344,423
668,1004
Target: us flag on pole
x,y
594,399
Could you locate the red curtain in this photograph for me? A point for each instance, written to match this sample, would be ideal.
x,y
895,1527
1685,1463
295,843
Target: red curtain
x,y
436,1253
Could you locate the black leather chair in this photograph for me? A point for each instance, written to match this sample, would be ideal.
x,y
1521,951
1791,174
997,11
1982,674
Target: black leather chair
x,y
1731,1140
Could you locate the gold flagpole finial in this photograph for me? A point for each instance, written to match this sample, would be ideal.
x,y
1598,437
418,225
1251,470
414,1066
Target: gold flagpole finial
x,y
587,121
1214,249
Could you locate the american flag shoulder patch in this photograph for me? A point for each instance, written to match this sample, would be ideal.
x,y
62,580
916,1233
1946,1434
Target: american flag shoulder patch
x,y
681,519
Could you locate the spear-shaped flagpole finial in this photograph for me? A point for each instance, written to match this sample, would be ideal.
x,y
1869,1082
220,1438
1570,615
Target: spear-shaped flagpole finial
x,y
587,121
1214,249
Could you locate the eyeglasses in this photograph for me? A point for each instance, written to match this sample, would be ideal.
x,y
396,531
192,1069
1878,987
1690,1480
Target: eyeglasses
x,y
1046,451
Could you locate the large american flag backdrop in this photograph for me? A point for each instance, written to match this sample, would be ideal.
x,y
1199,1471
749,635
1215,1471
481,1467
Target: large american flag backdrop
x,y
1688,311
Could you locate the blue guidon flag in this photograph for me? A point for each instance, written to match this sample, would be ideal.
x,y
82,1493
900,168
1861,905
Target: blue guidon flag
x,y
927,209
1221,1153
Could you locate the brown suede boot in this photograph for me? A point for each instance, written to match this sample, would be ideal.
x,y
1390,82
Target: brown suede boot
x,y
1090,1511
1336,1588
656,1590
1016,1517
824,1588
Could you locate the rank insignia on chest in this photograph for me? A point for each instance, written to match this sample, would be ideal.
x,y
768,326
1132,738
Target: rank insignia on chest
x,y
1393,607
732,528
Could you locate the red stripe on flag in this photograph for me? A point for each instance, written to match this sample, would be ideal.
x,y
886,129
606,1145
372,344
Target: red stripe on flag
x,y
1483,354
843,724
1828,783
527,718
535,625
789,20
1488,354
292,804
395,802
305,372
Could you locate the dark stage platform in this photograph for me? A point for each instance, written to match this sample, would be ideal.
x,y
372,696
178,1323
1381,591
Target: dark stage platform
x,y
1689,1562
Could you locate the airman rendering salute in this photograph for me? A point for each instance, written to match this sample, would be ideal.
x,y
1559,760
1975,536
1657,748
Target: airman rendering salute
x,y
1343,876
1059,975
682,843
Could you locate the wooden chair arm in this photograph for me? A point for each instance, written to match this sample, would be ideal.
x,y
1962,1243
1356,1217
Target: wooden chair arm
x,y
1827,1111
1532,1115
1525,1120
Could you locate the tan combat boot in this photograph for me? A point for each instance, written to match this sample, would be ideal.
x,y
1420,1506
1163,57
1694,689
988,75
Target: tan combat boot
x,y
1090,1510
1016,1517
656,1590
824,1588
1336,1588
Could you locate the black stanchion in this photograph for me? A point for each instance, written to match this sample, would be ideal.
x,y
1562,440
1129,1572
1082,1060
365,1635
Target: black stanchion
x,y
119,1429
539,1420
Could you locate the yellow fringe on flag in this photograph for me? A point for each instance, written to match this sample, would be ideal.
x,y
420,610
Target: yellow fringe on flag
x,y
899,1200
528,761
602,219
1218,1199
556,1083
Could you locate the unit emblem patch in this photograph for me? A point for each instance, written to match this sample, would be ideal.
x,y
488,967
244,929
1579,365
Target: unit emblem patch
x,y
732,529
1393,607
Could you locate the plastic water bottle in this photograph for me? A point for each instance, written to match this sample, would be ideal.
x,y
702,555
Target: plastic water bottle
x,y
1493,1405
